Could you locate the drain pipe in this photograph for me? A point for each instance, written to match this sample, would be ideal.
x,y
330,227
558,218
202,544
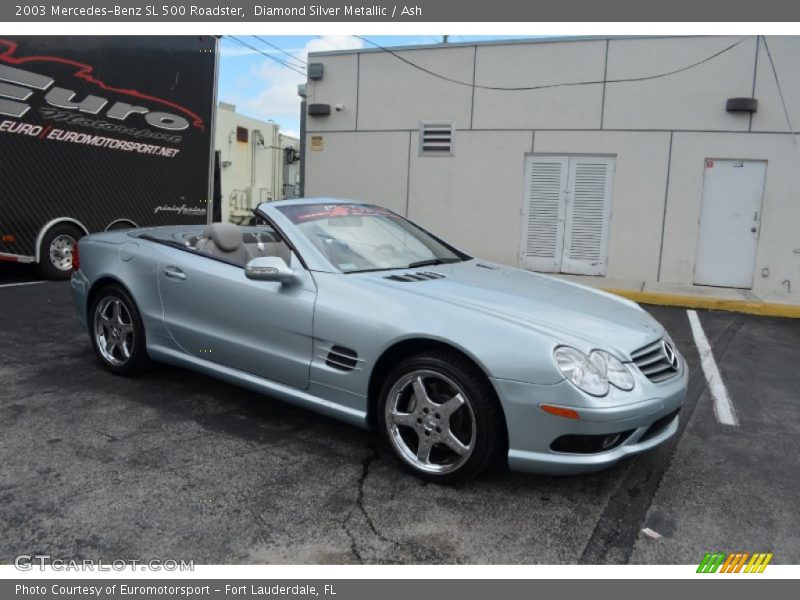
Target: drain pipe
x,y
301,91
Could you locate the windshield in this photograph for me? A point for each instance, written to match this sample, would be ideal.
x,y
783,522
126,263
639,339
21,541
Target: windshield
x,y
357,237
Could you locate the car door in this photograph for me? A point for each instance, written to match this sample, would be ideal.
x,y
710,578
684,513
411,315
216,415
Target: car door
x,y
212,311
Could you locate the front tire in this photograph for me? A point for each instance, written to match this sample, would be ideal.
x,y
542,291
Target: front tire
x,y
441,417
55,253
117,332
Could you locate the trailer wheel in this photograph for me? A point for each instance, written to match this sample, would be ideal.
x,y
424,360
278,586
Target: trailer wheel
x,y
55,253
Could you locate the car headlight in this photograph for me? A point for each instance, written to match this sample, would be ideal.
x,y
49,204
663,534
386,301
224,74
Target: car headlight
x,y
617,374
581,371
593,373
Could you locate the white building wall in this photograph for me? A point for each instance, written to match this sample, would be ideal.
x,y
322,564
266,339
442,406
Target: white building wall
x,y
660,130
250,173
637,200
472,202
692,99
541,64
779,238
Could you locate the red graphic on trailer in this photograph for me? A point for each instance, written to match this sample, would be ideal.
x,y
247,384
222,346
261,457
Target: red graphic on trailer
x,y
85,71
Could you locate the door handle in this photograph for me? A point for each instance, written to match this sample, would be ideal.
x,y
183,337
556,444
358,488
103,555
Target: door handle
x,y
174,273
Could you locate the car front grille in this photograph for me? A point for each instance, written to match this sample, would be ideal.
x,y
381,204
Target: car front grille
x,y
657,361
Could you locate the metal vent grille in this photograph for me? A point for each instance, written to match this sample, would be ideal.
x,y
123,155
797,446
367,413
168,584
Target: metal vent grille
x,y
654,361
341,358
418,276
436,138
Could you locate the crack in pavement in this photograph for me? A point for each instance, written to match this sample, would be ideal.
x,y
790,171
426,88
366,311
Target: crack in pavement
x,y
353,543
366,464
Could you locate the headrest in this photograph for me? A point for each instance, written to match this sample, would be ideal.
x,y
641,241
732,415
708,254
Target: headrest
x,y
227,236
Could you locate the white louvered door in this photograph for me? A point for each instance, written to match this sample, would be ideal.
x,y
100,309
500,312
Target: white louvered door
x,y
588,211
543,213
566,214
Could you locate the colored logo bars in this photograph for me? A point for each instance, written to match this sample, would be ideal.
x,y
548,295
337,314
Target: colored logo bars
x,y
735,562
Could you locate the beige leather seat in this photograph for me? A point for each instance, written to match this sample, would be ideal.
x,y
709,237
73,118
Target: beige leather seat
x,y
225,241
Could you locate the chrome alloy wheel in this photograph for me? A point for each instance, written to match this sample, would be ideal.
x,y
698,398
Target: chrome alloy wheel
x,y
61,252
430,422
113,330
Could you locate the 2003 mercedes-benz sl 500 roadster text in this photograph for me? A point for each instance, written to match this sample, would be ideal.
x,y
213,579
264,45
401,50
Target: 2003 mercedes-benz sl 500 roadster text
x,y
353,311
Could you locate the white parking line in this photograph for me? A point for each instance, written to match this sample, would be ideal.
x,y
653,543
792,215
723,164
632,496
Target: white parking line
x,y
723,407
2,285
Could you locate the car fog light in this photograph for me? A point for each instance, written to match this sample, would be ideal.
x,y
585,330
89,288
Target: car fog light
x,y
609,441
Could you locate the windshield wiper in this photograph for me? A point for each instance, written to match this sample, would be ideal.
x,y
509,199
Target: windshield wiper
x,y
432,261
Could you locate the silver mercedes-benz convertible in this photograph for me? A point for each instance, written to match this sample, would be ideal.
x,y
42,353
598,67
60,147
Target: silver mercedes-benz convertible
x,y
353,311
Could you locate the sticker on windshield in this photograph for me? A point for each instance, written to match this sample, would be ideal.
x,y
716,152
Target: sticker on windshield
x,y
311,212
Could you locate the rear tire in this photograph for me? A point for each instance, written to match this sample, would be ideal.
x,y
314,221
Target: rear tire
x,y
442,418
117,332
55,253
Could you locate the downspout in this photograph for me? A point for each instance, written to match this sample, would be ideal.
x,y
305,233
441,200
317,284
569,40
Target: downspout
x,y
301,91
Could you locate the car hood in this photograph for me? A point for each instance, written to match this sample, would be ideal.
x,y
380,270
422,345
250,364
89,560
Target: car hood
x,y
570,312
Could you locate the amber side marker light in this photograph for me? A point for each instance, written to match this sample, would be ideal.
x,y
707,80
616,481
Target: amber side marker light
x,y
567,413
9,239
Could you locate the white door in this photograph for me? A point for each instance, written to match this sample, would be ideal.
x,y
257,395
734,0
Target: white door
x,y
729,222
566,213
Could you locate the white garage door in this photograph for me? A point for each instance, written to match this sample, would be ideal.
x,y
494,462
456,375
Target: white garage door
x,y
566,213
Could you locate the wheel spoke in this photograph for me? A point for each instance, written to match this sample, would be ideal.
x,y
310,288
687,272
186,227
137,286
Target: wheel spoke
x,y
125,349
407,419
127,328
455,444
452,405
115,312
420,395
424,449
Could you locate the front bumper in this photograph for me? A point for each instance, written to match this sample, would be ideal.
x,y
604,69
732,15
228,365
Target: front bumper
x,y
531,431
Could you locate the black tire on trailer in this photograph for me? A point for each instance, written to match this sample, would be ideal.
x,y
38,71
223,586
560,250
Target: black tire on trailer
x,y
55,251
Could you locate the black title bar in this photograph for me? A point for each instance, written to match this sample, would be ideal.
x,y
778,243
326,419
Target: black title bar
x,y
445,11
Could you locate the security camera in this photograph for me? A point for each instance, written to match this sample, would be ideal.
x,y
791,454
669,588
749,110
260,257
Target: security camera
x,y
339,107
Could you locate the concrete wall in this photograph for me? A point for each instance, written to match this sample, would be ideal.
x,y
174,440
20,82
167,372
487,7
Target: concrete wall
x,y
660,130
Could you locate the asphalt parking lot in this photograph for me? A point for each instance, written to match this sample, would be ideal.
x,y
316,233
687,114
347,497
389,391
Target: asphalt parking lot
x,y
177,465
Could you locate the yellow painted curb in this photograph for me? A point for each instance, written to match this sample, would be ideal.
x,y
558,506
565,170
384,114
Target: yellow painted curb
x,y
743,306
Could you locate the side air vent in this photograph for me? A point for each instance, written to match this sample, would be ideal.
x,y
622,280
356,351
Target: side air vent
x,y
419,276
341,358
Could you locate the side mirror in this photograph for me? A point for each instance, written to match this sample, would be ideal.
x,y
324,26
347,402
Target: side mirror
x,y
268,268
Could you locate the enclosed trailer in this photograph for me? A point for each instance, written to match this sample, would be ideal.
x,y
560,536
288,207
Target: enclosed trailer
x,y
100,133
